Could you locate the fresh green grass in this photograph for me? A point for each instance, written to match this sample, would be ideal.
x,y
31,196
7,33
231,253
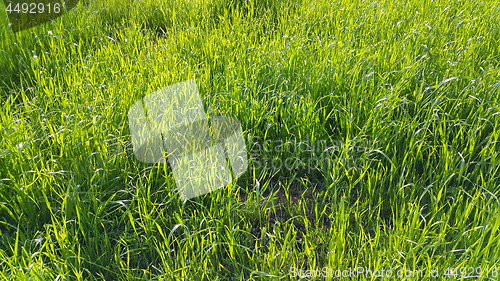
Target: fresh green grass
x,y
403,96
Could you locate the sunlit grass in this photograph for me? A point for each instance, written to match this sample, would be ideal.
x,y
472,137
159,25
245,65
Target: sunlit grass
x,y
400,99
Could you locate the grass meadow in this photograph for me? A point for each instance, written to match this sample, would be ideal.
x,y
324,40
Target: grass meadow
x,y
372,130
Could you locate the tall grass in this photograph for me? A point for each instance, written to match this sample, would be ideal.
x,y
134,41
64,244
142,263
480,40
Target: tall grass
x,y
386,111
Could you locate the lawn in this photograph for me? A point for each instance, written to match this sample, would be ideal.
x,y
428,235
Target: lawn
x,y
372,130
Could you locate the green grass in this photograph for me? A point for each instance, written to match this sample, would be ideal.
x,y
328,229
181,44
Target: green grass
x,y
403,96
